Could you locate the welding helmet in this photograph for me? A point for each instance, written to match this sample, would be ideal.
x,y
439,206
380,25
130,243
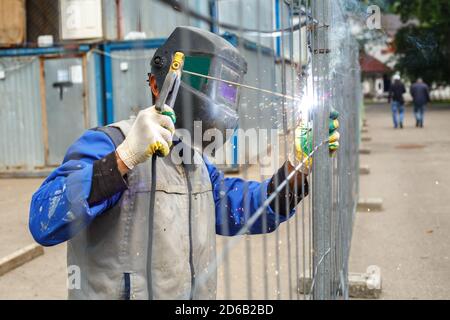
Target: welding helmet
x,y
201,101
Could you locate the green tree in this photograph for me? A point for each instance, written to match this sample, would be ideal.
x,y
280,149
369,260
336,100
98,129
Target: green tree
x,y
424,48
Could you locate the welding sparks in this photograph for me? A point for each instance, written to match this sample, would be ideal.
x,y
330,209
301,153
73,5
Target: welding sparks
x,y
308,100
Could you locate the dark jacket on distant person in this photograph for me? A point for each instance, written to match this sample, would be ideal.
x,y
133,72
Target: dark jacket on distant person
x,y
420,93
396,92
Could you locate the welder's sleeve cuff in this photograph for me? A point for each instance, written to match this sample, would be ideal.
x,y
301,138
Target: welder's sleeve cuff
x,y
288,198
106,180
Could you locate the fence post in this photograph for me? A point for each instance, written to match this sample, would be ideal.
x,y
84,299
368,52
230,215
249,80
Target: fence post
x,y
322,178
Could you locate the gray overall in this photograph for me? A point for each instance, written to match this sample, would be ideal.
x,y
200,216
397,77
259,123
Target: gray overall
x,y
111,253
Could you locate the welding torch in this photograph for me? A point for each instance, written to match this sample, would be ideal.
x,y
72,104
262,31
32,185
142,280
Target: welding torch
x,y
169,90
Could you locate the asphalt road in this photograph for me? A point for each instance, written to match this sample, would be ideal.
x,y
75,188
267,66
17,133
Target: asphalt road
x,y
410,239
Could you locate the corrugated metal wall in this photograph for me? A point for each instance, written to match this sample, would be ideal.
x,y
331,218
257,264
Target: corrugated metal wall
x,y
258,110
94,81
109,19
130,88
21,137
243,13
21,123
157,20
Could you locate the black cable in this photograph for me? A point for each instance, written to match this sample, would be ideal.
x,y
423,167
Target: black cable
x,y
191,244
150,227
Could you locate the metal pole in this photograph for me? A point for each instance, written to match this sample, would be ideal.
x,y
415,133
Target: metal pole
x,y
322,177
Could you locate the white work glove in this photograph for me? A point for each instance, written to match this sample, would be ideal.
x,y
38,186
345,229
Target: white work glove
x,y
151,132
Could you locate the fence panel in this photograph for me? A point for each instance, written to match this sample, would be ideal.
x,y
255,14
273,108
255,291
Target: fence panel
x,y
303,63
307,256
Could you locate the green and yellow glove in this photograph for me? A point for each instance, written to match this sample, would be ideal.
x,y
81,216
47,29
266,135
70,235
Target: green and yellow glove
x,y
304,141
334,135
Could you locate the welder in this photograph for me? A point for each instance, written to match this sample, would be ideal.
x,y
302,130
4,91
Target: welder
x,y
144,227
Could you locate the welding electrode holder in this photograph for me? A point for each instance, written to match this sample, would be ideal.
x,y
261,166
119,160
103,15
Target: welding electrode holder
x,y
169,90
167,96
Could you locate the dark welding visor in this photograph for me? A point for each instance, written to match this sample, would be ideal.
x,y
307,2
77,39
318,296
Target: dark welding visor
x,y
209,90
216,80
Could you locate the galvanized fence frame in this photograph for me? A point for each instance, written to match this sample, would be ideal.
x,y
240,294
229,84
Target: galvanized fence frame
x,y
337,84
335,77
307,257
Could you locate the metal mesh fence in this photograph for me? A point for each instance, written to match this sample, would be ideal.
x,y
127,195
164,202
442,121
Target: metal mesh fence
x,y
307,256
308,67
301,69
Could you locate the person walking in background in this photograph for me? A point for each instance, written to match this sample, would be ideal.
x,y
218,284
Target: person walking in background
x,y
398,103
421,96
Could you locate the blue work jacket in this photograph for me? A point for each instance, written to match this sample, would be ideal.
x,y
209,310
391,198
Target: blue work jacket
x,y
59,209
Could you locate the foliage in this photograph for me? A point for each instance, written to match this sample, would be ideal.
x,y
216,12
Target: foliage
x,y
424,49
